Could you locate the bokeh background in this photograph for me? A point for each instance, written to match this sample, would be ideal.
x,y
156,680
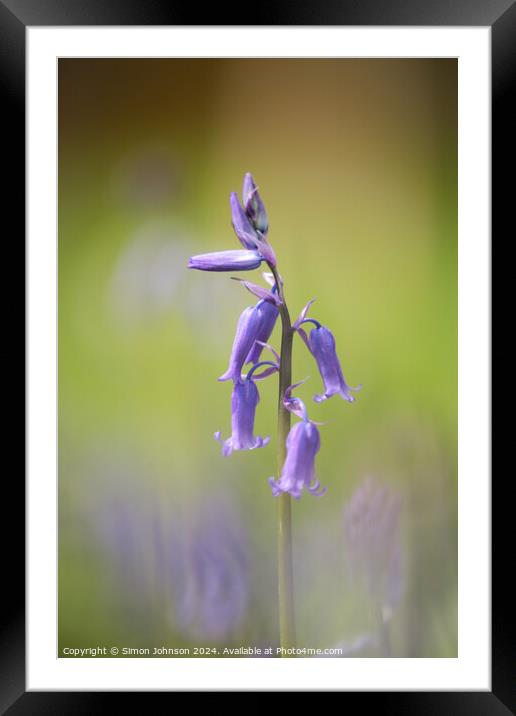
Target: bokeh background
x,y
162,541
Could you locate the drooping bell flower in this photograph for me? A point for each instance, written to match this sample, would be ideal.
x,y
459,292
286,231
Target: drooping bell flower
x,y
269,317
303,443
237,260
268,306
321,344
244,400
248,328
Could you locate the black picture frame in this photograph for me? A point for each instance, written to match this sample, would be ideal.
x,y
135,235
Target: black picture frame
x,y
15,17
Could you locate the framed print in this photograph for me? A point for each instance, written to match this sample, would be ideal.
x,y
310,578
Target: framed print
x,y
280,482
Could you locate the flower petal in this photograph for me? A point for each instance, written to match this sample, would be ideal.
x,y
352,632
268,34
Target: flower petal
x,y
266,249
253,205
269,314
303,313
239,260
302,334
241,224
244,401
274,353
247,331
260,292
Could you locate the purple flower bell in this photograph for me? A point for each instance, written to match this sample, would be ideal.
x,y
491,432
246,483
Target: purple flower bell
x,y
248,328
268,307
244,400
303,443
238,260
321,344
254,328
269,317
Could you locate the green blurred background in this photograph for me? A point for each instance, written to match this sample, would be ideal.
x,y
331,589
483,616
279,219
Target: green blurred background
x,y
356,161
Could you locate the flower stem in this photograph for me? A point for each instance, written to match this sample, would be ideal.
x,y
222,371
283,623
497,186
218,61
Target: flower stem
x,y
285,570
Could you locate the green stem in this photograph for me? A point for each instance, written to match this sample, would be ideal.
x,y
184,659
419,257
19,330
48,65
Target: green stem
x,y
385,635
285,570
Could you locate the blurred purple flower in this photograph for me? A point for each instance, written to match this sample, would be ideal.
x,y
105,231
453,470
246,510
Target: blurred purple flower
x,y
303,443
215,586
191,570
234,260
373,541
129,533
116,525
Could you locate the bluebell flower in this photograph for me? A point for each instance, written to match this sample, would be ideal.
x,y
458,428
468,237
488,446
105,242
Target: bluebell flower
x,y
237,260
250,221
246,233
244,400
254,328
321,344
269,317
247,331
253,205
268,306
303,443
373,540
